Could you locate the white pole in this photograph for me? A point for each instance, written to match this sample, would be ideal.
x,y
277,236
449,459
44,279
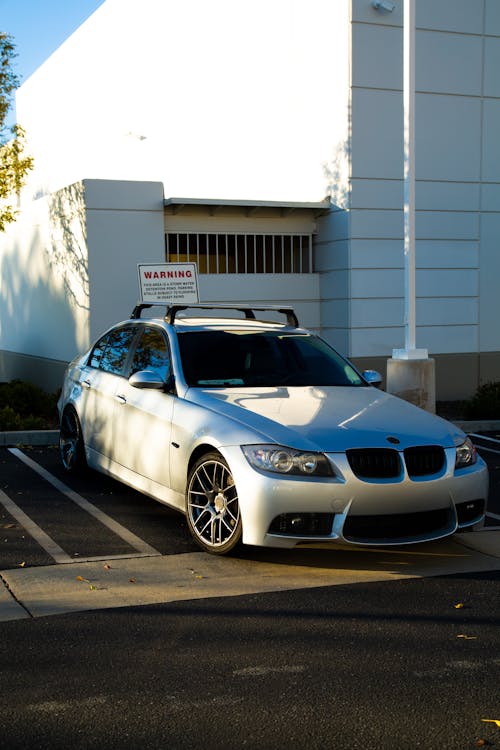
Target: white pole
x,y
410,351
410,372
409,173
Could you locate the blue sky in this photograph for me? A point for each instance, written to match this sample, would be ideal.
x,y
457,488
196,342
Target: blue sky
x,y
39,27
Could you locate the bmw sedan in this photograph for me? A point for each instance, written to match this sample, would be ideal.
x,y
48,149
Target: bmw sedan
x,y
261,433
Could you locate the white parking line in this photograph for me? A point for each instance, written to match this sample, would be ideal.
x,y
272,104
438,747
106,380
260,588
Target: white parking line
x,y
484,447
43,539
144,549
488,450
484,437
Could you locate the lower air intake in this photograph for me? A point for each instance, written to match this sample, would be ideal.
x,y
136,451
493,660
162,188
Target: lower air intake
x,y
400,526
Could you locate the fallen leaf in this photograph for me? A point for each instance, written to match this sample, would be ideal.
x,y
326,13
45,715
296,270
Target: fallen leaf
x,y
132,580
467,637
22,565
492,721
106,566
459,605
92,588
81,578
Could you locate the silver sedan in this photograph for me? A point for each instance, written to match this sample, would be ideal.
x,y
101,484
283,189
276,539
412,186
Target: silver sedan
x,y
260,432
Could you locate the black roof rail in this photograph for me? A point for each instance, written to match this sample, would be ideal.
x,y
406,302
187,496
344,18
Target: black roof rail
x,y
248,311
137,311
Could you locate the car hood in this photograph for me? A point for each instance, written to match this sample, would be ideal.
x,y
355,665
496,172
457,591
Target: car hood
x,y
328,418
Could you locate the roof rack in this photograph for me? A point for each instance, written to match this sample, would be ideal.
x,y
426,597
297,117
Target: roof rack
x,y
248,311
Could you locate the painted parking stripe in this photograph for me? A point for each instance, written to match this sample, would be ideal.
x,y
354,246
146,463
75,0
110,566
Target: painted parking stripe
x,y
485,437
480,447
142,547
43,539
488,450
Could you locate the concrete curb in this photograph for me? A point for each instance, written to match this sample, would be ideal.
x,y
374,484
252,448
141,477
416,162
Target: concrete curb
x,y
83,586
29,437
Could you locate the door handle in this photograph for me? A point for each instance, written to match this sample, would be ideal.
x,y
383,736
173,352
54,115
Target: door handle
x,y
86,384
121,399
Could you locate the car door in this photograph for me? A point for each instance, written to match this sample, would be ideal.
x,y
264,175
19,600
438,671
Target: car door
x,y
143,416
99,382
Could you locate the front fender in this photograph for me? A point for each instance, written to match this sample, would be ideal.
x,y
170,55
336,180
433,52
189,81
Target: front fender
x,y
194,426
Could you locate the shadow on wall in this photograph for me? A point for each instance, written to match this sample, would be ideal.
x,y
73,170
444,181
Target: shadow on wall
x,y
67,257
44,298
332,251
336,174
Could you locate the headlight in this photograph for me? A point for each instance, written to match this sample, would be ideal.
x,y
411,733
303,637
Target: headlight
x,y
466,454
280,460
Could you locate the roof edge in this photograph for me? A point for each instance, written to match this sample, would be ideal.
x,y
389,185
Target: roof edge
x,y
320,206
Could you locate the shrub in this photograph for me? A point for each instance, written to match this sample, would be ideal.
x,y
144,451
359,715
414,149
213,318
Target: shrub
x,y
485,404
9,419
25,406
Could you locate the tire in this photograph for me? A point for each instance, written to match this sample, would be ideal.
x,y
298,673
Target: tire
x,y
71,446
212,507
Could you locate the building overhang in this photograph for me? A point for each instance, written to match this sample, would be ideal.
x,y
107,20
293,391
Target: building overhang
x,y
213,206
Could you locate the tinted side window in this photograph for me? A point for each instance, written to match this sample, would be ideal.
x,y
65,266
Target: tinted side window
x,y
98,351
110,352
151,353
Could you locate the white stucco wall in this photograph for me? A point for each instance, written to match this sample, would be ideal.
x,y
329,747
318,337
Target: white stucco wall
x,y
124,228
69,265
293,100
457,171
214,99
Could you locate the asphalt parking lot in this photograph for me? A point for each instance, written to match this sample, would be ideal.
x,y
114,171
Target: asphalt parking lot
x,y
71,544
156,644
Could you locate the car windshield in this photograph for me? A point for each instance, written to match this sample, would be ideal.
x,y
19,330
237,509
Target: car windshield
x,y
229,359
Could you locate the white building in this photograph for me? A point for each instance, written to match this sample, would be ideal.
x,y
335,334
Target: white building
x,y
265,140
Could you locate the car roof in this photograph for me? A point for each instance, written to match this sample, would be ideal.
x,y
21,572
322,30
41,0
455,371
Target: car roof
x,y
183,325
176,316
229,324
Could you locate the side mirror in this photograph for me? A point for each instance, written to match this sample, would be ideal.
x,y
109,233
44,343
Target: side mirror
x,y
373,378
147,379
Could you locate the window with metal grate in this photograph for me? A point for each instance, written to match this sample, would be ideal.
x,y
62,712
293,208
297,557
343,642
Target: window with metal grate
x,y
241,253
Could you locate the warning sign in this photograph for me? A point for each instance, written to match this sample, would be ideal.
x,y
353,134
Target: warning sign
x,y
168,283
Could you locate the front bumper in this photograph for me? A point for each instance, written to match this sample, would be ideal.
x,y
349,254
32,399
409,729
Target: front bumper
x,y
283,511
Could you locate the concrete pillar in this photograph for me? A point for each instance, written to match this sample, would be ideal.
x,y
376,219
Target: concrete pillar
x,y
413,380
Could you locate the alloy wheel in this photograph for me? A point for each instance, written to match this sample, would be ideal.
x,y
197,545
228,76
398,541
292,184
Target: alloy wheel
x,y
213,509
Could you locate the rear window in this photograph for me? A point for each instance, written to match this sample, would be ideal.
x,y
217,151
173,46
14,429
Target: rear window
x,y
215,359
